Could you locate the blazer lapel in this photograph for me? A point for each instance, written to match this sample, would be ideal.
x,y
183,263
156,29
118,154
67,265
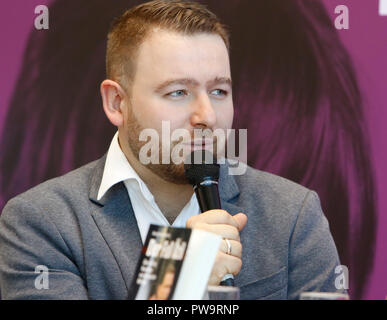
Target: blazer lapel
x,y
229,193
117,223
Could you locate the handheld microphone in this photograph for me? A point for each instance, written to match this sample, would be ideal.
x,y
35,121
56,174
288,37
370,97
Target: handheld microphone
x,y
202,172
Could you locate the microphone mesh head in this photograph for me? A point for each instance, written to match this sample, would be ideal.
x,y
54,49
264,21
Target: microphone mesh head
x,y
201,165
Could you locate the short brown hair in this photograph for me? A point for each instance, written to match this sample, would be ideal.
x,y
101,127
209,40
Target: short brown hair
x,y
130,30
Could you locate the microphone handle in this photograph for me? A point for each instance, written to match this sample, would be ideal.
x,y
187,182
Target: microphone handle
x,y
208,197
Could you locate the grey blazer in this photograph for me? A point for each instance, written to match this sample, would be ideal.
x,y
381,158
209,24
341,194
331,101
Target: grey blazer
x,y
91,247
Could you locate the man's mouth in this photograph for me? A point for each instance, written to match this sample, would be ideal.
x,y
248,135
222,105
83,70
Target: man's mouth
x,y
200,145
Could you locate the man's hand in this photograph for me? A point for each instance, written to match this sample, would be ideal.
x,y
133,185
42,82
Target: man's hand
x,y
228,227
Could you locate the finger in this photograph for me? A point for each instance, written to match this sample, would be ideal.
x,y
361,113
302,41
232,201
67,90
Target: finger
x,y
236,248
241,220
213,217
224,264
230,264
224,230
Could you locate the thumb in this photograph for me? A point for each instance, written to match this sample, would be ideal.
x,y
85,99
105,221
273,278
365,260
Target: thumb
x,y
241,219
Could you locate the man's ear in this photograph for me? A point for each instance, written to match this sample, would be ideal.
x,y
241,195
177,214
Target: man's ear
x,y
113,97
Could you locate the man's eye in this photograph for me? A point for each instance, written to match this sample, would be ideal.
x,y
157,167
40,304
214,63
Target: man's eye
x,y
177,93
220,92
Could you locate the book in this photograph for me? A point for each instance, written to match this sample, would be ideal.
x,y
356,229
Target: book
x,y
175,264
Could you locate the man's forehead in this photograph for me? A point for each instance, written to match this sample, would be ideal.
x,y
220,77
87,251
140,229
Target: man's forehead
x,y
158,34
172,46
172,57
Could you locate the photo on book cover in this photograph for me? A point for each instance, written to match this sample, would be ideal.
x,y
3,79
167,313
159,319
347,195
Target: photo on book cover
x,y
160,263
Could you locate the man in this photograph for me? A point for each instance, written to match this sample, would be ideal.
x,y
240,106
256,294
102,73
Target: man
x,y
166,61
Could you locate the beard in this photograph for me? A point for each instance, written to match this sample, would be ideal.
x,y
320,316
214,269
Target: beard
x,y
171,172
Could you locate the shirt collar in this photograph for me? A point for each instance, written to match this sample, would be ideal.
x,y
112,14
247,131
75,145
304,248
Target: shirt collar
x,y
117,169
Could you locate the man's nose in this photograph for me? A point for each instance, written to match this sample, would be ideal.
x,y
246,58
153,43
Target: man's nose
x,y
203,114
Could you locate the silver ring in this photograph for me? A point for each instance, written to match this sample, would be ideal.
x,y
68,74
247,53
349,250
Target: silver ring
x,y
228,246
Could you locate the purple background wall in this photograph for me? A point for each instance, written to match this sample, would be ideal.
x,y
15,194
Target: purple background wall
x,y
366,41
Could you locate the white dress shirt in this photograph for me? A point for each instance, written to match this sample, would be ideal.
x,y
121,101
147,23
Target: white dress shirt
x,y
147,212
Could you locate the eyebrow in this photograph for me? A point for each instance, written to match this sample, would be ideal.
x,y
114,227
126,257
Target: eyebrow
x,y
193,82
